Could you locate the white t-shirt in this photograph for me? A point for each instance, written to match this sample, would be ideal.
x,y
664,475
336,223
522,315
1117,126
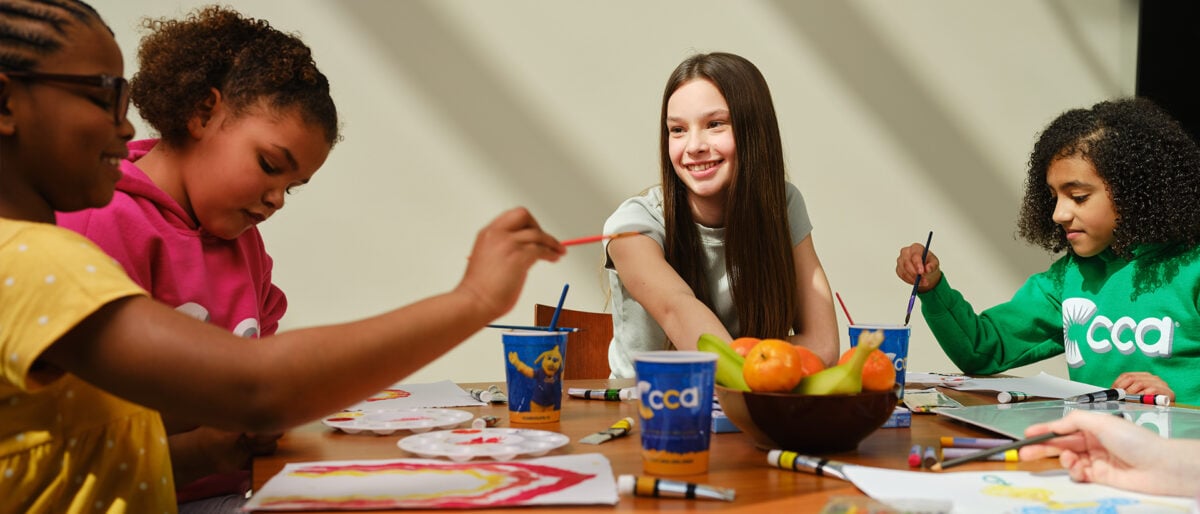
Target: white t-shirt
x,y
634,330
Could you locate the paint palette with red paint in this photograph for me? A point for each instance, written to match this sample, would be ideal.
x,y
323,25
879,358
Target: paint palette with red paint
x,y
384,422
501,444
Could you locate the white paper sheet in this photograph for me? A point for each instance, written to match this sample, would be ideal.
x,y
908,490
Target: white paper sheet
x,y
413,396
1043,385
1010,492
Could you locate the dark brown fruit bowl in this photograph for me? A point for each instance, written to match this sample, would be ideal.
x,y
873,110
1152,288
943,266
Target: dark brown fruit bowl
x,y
811,424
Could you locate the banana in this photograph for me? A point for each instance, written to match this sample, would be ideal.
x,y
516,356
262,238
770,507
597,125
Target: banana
x,y
843,378
729,363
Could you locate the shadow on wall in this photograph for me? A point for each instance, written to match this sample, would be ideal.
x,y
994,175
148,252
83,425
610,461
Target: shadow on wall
x,y
430,55
449,73
872,73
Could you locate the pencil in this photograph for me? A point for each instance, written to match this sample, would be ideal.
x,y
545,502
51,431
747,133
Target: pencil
x,y
597,238
985,453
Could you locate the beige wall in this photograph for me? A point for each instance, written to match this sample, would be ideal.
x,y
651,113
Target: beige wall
x,y
898,117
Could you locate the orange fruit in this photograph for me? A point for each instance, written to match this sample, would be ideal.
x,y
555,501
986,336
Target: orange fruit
x,y
772,366
742,345
809,362
879,374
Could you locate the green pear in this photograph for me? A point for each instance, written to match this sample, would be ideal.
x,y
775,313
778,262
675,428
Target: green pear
x,y
844,378
729,363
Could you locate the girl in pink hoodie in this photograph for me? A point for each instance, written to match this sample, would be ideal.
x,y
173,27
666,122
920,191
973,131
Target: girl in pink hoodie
x,y
245,117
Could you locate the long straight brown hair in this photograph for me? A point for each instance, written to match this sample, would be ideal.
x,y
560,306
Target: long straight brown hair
x,y
758,248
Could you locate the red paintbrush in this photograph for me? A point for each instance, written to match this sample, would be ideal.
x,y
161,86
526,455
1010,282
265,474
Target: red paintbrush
x,y
596,238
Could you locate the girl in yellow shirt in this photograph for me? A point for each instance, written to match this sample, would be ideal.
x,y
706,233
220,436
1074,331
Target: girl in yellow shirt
x,y
85,353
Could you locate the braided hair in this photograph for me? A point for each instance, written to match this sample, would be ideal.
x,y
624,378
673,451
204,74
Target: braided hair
x,y
33,29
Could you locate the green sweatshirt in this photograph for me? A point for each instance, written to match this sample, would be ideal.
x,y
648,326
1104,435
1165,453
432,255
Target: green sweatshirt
x,y
1114,316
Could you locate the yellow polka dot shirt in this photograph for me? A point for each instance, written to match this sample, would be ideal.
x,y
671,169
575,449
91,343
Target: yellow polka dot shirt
x,y
66,446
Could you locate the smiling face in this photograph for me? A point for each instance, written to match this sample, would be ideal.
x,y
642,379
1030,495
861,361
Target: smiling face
x,y
701,147
61,148
246,165
1083,205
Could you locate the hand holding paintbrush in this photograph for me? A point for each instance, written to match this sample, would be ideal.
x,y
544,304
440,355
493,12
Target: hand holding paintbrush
x,y
1110,450
918,266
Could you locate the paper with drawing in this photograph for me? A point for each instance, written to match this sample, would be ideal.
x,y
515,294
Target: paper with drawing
x,y
1010,492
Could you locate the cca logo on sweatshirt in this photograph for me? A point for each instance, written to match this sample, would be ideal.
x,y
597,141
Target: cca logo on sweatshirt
x,y
1081,325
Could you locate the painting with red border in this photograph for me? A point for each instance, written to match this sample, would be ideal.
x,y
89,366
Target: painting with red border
x,y
584,479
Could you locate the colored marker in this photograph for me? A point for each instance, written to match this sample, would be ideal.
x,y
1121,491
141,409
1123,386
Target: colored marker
x,y
914,456
1006,456
612,395
930,457
794,461
1149,399
972,442
1106,395
1011,397
662,488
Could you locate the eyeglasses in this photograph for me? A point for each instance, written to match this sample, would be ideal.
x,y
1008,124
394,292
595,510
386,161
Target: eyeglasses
x,y
118,87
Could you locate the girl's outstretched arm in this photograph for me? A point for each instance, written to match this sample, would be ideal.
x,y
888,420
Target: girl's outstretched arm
x,y
816,327
148,353
645,273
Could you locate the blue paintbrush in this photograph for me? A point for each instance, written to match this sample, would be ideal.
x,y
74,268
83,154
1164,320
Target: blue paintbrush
x,y
558,309
913,297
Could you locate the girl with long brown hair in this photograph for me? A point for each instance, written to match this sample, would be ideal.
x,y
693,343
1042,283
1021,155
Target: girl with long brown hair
x,y
726,245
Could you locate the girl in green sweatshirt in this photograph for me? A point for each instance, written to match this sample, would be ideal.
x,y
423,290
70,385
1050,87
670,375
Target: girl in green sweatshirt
x,y
1117,187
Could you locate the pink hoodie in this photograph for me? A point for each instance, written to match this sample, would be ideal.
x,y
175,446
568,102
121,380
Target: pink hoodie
x,y
226,283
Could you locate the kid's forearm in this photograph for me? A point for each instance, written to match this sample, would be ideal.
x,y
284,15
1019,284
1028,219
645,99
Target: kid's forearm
x,y
686,319
197,372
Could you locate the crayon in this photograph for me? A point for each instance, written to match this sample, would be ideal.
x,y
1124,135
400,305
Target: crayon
x,y
954,453
663,488
972,442
796,462
1011,397
930,457
612,395
914,456
1098,396
1149,399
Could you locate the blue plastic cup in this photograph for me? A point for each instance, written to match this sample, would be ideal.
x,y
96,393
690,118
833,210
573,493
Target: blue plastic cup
x,y
534,363
675,395
895,345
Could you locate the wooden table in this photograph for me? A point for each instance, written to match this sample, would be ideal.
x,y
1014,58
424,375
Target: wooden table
x,y
734,461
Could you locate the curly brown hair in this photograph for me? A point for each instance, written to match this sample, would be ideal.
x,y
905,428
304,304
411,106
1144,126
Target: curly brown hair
x,y
248,61
1149,164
